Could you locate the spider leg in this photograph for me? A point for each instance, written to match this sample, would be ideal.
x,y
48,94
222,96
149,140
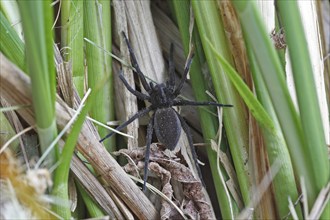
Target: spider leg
x,y
185,73
146,159
136,65
171,69
182,102
130,120
191,145
138,94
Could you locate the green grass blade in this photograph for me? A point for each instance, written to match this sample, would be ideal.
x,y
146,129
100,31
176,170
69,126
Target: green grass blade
x,y
73,39
273,77
97,29
61,189
309,109
93,209
274,140
250,100
10,43
62,172
182,10
209,24
37,23
276,148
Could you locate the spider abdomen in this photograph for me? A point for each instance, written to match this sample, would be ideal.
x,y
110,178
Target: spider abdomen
x,y
167,127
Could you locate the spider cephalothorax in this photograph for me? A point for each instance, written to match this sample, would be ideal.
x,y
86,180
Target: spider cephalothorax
x,y
161,96
166,122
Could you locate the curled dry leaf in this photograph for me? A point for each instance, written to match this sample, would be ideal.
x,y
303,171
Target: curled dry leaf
x,y
166,211
194,203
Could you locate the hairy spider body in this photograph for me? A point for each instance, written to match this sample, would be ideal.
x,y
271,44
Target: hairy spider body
x,y
161,96
165,118
166,122
168,127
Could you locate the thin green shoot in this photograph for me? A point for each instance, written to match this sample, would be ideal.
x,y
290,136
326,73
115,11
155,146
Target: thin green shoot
x,y
251,101
64,130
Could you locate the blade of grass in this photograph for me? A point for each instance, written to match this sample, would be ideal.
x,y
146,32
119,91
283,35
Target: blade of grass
x,y
97,29
250,100
109,88
37,22
72,18
11,12
10,43
73,39
276,147
309,107
93,209
277,142
182,9
61,176
315,149
62,172
273,77
209,24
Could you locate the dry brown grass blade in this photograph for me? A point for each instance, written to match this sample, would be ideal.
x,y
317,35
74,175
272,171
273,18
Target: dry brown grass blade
x,y
258,155
129,101
123,208
143,37
64,78
17,125
266,208
232,182
95,188
169,33
320,203
235,39
15,87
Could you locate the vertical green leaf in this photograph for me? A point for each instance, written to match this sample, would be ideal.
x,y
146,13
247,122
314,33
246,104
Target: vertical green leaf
x,y
274,140
315,150
309,157
37,19
209,24
97,29
10,43
276,148
73,39
182,13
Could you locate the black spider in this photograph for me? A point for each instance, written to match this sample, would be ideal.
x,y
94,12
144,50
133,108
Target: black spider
x,y
166,121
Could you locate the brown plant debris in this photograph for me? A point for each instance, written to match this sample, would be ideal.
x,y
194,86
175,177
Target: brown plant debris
x,y
192,202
